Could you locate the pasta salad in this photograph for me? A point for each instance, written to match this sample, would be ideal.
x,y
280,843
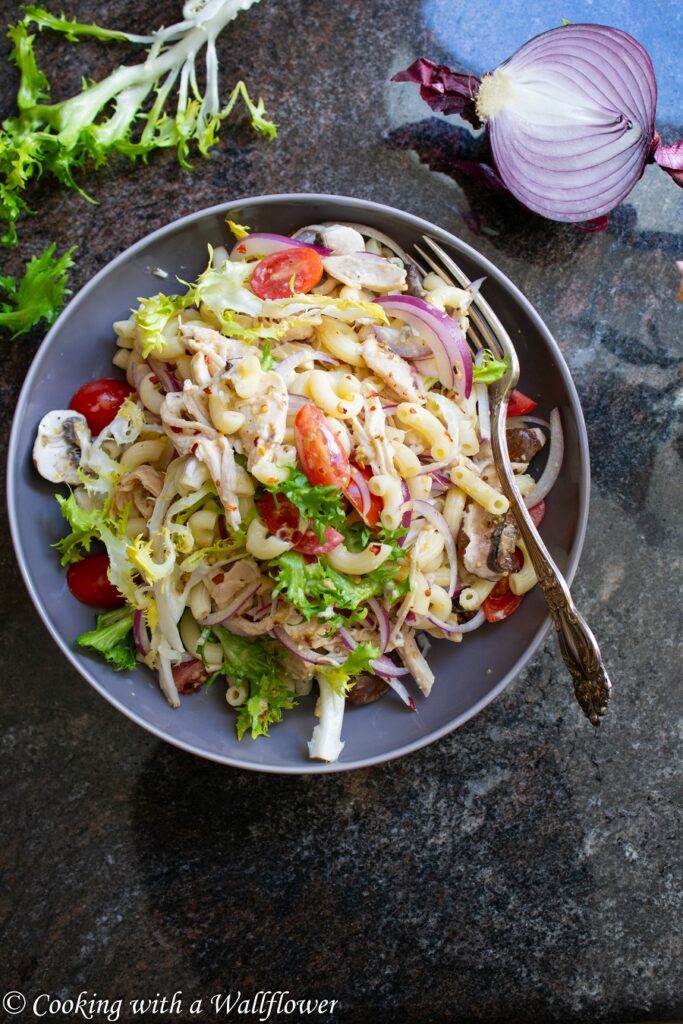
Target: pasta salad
x,y
293,488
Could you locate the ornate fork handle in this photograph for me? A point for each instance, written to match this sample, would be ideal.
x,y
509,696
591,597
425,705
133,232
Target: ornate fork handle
x,y
578,645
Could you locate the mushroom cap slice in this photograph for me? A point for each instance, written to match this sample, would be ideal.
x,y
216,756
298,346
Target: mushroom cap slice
x,y
62,436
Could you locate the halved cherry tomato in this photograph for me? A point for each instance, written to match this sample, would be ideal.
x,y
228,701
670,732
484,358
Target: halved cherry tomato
x,y
323,459
88,582
520,404
272,278
501,602
352,492
282,519
100,400
537,512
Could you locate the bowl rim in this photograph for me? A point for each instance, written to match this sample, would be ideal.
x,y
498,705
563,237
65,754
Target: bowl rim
x,y
302,199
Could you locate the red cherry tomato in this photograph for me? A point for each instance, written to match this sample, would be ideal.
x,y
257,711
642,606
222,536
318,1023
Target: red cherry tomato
x,y
282,519
537,512
324,460
100,400
286,273
520,404
501,602
352,492
88,582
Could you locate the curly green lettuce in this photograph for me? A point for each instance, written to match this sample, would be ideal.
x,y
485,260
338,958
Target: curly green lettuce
x,y
113,638
39,293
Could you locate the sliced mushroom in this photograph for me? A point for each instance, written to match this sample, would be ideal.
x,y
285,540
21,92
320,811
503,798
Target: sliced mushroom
x,y
366,689
342,240
365,270
62,436
524,443
486,543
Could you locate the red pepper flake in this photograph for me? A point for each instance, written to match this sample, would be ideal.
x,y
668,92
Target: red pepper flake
x,y
194,448
375,548
228,508
449,436
153,379
177,430
207,391
218,578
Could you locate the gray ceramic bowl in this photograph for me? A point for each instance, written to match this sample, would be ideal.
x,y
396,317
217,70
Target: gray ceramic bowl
x,y
80,347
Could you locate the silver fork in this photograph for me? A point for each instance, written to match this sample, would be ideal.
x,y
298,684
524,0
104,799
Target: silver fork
x,y
577,643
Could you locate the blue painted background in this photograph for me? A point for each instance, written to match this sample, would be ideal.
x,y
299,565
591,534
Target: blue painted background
x,y
506,24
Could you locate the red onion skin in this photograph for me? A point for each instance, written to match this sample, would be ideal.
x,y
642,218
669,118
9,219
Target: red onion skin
x,y
249,246
140,634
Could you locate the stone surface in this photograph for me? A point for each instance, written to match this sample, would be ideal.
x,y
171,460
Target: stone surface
x,y
525,868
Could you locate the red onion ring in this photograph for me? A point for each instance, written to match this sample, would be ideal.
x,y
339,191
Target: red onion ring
x,y
552,466
140,633
236,606
443,336
263,243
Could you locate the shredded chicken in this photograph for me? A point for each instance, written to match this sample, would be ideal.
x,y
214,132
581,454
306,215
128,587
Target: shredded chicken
x,y
395,371
414,661
142,486
265,419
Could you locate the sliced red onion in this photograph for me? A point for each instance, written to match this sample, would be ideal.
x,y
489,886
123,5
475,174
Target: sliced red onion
x,y
237,605
435,467
290,362
381,666
136,373
165,374
440,483
522,421
383,623
262,244
297,402
362,485
404,343
407,514
262,612
304,653
466,627
552,466
432,515
443,336
391,408
140,633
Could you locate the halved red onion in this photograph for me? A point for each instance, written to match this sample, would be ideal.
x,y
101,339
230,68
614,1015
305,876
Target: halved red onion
x,y
443,336
140,633
236,605
570,118
261,244
433,516
553,464
435,467
167,377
